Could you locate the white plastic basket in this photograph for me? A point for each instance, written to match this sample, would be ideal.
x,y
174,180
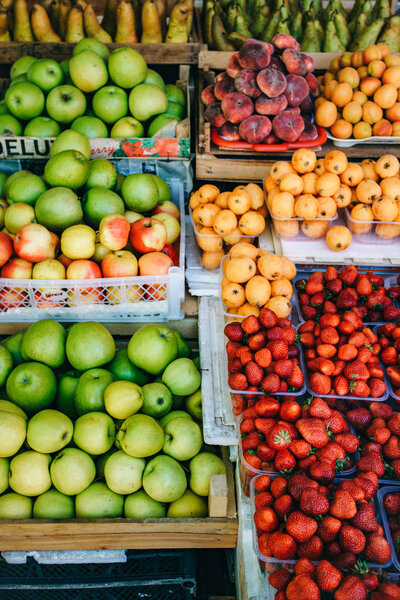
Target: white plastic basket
x,y
140,298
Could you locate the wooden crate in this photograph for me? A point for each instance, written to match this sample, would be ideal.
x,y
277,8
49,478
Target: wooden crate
x,y
218,530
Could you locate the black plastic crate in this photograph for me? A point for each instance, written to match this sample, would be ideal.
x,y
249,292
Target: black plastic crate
x,y
146,575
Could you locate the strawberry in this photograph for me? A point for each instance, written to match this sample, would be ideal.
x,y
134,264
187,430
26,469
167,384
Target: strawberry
x,y
312,548
365,518
307,327
381,409
351,539
267,318
282,545
263,357
284,461
329,320
341,385
389,356
279,437
325,350
377,387
370,580
304,464
313,287
367,447
234,366
319,408
344,561
394,375
359,388
250,325
313,503
284,322
283,368
284,505
264,424
257,341
265,453
308,312
381,436
317,300
300,526
249,413
302,587
351,588
364,287
377,549
327,576
390,589
327,367
354,490
322,471
394,424
252,459
304,566
290,410
314,364
334,286
329,335
336,422
278,349
391,503
304,299
343,505
254,373
347,299
262,483
364,355
279,579
296,379
368,482
330,273
234,332
360,418
288,335
320,384
300,448
299,482
279,487
348,441
313,431
307,339
231,348
328,528
372,462
329,308
391,312
237,381
374,278
263,499
265,519
247,425
356,370
270,384
333,549
348,274
246,356
267,406
392,447
251,440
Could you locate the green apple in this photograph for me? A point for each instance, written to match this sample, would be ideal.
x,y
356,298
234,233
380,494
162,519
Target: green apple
x,y
12,343
110,103
175,110
132,216
29,473
98,202
71,140
72,471
3,108
140,436
158,123
155,78
67,169
164,479
164,191
94,433
127,67
183,439
65,103
26,188
6,364
122,368
49,431
92,127
12,433
201,468
98,502
139,505
182,377
147,100
42,127
123,473
157,400
17,215
21,65
102,173
46,74
64,64
65,400
89,391
93,45
58,208
54,505
175,94
44,342
140,192
19,79
9,125
4,474
152,348
101,462
197,363
89,344
127,128
174,414
193,405
184,350
88,71
188,506
15,506
32,386
10,180
3,178
10,407
25,100
123,399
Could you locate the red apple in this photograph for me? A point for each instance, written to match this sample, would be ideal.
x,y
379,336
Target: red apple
x,y
119,264
154,263
114,232
172,224
17,268
83,269
6,248
170,251
55,242
148,235
33,242
167,207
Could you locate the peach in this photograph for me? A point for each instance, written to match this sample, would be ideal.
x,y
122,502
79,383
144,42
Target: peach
x,y
352,112
221,76
255,55
276,63
362,130
236,107
283,40
369,85
222,200
310,132
357,59
334,65
396,128
326,114
293,62
205,214
359,97
270,106
330,88
271,82
224,87
382,128
392,75
386,95
342,94
363,72
254,129
326,207
207,95
376,68
214,115
372,53
385,209
307,106
349,75
245,82
342,129
371,112
310,64
385,50
391,60
233,65
287,125
208,241
296,90
345,59
393,113
312,82
230,132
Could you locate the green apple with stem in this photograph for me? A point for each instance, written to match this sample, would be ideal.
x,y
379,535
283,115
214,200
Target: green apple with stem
x,y
140,436
183,439
72,471
94,433
89,391
152,348
157,400
25,100
123,473
122,399
99,502
29,473
54,505
164,479
67,169
49,431
110,103
65,103
46,74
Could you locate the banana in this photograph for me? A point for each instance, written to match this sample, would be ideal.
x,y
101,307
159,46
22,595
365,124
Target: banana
x,y
93,28
41,26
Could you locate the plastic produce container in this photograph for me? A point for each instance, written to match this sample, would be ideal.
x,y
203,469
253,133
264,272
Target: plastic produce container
x,y
385,523
370,236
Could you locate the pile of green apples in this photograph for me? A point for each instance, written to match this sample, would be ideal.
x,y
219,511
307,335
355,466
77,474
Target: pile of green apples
x,y
95,92
91,431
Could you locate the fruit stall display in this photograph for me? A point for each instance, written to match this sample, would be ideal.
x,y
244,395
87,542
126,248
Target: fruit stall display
x,y
87,222
113,98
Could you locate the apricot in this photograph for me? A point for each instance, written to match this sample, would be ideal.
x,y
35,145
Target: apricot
x,y
345,59
382,128
326,207
247,309
252,223
385,209
352,112
194,201
222,200
367,191
361,213
330,88
396,128
334,65
362,130
372,53
314,229
325,78
371,112
208,193
244,249
338,238
390,186
309,183
357,59
235,237
208,241
342,94
282,205
386,95
304,160
211,260
376,68
280,306
343,196
240,269
233,295
205,214
362,72
225,222
270,266
306,207
328,184
392,76
320,167
256,194
385,50
269,184
368,167
258,291
320,100
279,168
342,129
369,85
326,114
286,229
352,175
263,211
273,193
349,75
391,60
289,268
387,166
336,162
291,183
239,201
393,113
359,97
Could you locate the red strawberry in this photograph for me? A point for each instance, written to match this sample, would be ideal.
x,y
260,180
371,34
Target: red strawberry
x,y
391,503
367,483
254,373
313,286
381,435
284,461
329,335
313,503
250,325
299,482
370,580
282,545
234,366
267,406
327,576
283,505
251,440
336,422
249,413
265,453
264,424
344,561
304,464
330,273
256,341
296,379
263,357
231,348
279,437
394,424
330,307
245,356
270,384
313,431
390,589
354,489
279,487
317,300
359,388
381,409
365,518
247,425
392,447
265,519
377,549
334,287
267,318
327,367
348,441
391,312
233,331
263,499
322,471
320,384
348,274
319,408
237,381
377,387
360,418
300,526
283,368
252,459
372,462
351,539
389,356
341,385
304,566
300,448
262,483
351,588
331,453
279,349
328,528
343,505
312,548
329,320
347,299
364,287
308,312
356,370
302,587
307,327
279,579
290,410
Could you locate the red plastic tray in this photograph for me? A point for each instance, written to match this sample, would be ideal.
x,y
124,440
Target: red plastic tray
x,y
283,147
